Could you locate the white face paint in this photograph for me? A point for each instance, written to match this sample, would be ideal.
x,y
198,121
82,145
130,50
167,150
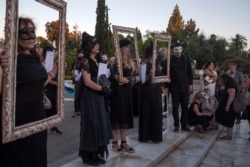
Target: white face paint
x,y
80,55
104,57
178,49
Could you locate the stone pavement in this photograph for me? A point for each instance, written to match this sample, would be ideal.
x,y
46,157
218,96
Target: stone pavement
x,y
189,149
234,153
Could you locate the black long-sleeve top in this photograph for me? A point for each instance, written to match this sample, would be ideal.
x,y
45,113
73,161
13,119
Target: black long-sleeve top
x,y
181,74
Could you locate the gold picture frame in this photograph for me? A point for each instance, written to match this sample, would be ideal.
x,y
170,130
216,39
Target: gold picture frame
x,y
117,30
165,39
10,132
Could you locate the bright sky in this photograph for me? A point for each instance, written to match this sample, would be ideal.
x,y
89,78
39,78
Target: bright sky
x,y
224,18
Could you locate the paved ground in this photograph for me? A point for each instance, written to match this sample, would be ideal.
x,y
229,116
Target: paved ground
x,y
61,148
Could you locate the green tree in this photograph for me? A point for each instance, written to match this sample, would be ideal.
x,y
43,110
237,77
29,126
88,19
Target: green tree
x,y
239,43
73,39
72,44
218,45
190,28
42,41
106,35
139,40
100,27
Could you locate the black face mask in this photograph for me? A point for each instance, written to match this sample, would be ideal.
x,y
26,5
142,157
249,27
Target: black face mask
x,y
27,33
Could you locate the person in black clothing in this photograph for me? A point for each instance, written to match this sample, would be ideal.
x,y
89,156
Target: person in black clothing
x,y
150,115
31,76
196,116
51,90
95,133
181,85
121,104
225,114
76,73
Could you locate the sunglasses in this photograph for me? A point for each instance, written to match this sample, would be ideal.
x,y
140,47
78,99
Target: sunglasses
x,y
27,33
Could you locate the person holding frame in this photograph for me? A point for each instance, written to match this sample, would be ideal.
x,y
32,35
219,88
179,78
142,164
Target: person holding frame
x,y
150,115
31,77
121,113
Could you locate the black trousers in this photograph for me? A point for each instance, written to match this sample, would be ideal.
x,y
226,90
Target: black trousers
x,y
180,97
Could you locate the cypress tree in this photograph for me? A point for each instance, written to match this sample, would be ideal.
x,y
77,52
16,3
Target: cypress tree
x,y
100,23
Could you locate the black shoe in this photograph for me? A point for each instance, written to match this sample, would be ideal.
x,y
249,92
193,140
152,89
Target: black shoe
x,y
90,162
100,160
176,128
55,131
90,159
187,129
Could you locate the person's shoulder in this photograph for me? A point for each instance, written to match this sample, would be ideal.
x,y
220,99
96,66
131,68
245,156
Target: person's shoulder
x,y
231,85
239,73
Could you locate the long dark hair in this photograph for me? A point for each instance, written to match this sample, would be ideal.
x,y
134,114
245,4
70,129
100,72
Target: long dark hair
x,y
88,42
227,79
207,64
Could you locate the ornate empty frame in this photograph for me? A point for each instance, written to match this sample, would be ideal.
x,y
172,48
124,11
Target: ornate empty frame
x,y
165,39
10,132
125,30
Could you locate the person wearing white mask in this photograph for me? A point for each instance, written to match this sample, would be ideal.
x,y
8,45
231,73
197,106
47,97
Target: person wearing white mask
x,y
181,85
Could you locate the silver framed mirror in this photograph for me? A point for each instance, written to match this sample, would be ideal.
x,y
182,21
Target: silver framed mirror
x,y
161,58
126,32
10,131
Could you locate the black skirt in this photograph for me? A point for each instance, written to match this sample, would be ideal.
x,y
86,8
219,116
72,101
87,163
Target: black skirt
x,y
95,123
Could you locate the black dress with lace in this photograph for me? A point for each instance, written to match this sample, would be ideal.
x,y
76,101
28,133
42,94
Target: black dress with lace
x,y
95,132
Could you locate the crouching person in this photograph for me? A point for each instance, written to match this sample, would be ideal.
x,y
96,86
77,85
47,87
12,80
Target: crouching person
x,y
196,116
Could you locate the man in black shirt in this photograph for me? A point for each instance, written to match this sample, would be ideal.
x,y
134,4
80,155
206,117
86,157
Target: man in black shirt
x,y
181,85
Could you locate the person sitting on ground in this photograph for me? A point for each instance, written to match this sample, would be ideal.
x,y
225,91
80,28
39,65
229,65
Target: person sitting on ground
x,y
196,116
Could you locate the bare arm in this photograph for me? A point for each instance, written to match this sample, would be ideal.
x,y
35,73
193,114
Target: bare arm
x,y
121,79
197,112
209,73
89,83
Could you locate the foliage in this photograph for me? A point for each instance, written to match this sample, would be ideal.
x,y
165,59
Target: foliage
x,y
242,64
176,24
52,30
197,46
42,41
100,28
238,43
201,49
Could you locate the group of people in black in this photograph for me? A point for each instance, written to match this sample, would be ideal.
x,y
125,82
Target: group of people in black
x,y
118,116
107,112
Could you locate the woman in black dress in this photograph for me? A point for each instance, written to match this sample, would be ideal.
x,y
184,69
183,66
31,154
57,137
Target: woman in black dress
x,y
150,115
196,116
225,114
95,125
30,151
121,113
